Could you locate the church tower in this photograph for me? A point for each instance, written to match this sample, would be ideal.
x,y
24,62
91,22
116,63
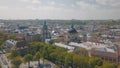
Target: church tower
x,y
73,34
45,32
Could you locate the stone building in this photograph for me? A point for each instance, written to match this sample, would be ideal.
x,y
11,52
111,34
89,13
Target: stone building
x,y
73,35
113,57
46,36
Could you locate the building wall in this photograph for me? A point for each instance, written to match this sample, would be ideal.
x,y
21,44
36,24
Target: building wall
x,y
10,44
31,38
110,57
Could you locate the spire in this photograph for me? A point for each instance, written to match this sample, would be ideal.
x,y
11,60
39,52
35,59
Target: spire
x,y
45,22
45,32
84,37
45,25
72,26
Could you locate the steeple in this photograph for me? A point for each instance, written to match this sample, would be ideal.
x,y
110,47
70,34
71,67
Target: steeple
x,y
45,27
84,37
72,26
45,32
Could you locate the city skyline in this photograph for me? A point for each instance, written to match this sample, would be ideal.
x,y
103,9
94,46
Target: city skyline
x,y
60,9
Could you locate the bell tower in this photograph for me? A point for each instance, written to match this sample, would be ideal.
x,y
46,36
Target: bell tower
x,y
45,32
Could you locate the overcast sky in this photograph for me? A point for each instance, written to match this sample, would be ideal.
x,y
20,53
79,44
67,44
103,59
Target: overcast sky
x,y
60,9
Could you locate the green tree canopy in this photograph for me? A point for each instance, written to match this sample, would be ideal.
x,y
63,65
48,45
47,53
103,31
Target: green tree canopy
x,y
28,58
16,62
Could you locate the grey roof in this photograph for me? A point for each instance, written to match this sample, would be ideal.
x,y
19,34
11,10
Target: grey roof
x,y
72,30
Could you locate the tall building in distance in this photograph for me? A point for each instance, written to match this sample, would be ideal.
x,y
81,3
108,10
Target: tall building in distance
x,y
45,33
73,34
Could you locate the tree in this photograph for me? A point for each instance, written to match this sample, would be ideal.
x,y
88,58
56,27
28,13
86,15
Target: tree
x,y
0,66
37,57
28,58
43,53
93,61
61,59
16,62
80,61
98,66
53,41
34,47
53,56
81,51
69,60
14,53
109,65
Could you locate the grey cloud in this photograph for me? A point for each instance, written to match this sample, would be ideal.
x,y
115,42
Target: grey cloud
x,y
60,9
112,3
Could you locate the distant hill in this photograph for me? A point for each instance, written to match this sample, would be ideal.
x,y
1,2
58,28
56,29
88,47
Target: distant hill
x,y
80,22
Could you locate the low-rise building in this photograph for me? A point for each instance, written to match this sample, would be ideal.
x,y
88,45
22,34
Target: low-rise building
x,y
108,52
10,44
30,37
20,46
70,48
